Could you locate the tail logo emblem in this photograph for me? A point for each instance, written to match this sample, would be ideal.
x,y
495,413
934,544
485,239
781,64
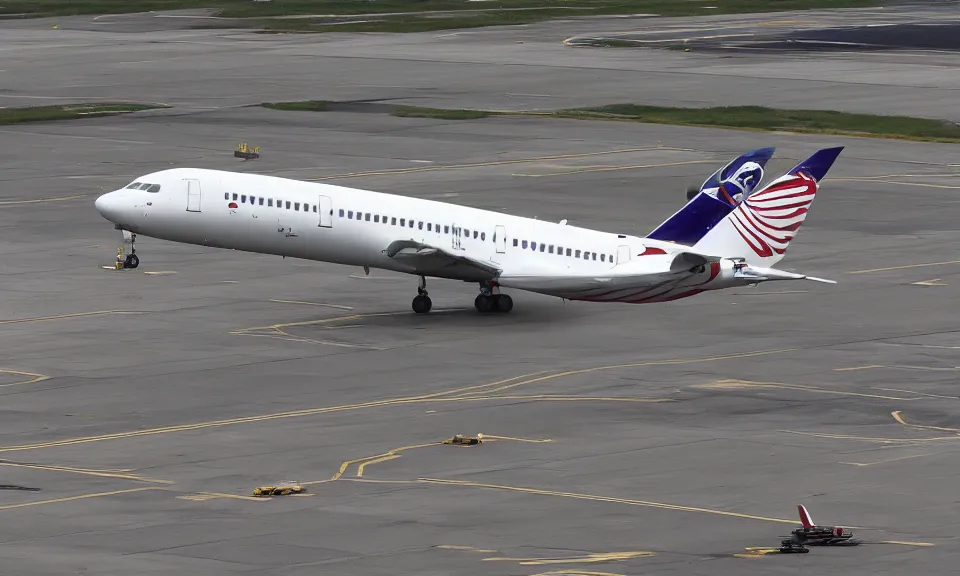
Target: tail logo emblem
x,y
768,220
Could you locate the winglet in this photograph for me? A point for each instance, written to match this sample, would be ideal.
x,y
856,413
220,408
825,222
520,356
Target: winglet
x,y
819,164
805,516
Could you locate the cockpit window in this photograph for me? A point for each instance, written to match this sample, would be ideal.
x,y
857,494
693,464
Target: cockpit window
x,y
154,188
144,186
134,186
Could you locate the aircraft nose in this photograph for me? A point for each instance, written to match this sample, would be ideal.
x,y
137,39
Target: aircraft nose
x,y
108,206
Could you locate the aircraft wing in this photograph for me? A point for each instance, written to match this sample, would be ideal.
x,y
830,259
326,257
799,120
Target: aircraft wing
x,y
432,260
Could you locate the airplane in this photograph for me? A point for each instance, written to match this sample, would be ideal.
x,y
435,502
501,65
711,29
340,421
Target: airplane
x,y
809,534
692,252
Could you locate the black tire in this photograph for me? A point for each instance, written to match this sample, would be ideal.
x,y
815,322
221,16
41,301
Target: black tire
x,y
484,303
132,261
504,303
422,304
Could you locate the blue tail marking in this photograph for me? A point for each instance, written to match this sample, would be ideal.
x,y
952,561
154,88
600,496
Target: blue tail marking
x,y
819,164
718,196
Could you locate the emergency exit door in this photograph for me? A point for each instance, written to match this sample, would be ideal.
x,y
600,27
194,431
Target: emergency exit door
x,y
500,239
623,254
326,212
193,195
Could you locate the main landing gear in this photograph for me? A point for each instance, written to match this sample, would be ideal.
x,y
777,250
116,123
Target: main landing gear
x,y
422,303
490,299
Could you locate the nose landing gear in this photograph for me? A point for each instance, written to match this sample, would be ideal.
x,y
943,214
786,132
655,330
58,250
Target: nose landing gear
x,y
131,260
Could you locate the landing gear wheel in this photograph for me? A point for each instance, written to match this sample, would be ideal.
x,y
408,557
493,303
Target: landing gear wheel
x,y
504,303
132,261
422,304
485,303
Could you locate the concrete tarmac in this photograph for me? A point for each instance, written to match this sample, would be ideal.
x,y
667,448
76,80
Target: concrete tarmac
x,y
672,438
140,408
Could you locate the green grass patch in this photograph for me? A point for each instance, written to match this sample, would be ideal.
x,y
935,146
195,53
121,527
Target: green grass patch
x,y
771,119
442,114
303,106
413,15
736,117
67,112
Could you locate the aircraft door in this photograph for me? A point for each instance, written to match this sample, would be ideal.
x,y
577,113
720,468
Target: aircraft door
x,y
193,195
500,239
623,254
326,212
455,237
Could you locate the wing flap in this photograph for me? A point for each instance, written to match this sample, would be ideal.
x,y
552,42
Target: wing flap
x,y
435,261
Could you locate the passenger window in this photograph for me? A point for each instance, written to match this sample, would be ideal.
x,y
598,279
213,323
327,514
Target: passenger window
x,y
594,255
420,226
341,212
243,198
226,195
279,203
515,241
483,235
270,203
568,251
315,209
288,204
366,216
578,254
261,201
474,234
350,214
543,247
533,246
551,249
403,221
384,219
436,228
234,197
376,218
411,223
603,257
429,227
253,199
524,243
296,206
466,233
446,229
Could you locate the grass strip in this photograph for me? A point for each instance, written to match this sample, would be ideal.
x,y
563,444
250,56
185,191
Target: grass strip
x,y
773,119
68,112
755,118
303,106
439,113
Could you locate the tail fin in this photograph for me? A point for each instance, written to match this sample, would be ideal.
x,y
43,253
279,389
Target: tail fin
x,y
805,518
712,203
762,226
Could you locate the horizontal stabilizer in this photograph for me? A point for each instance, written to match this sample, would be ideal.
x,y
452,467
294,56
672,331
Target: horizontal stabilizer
x,y
747,272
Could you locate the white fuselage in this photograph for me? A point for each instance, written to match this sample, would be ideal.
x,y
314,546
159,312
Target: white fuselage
x,y
322,222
